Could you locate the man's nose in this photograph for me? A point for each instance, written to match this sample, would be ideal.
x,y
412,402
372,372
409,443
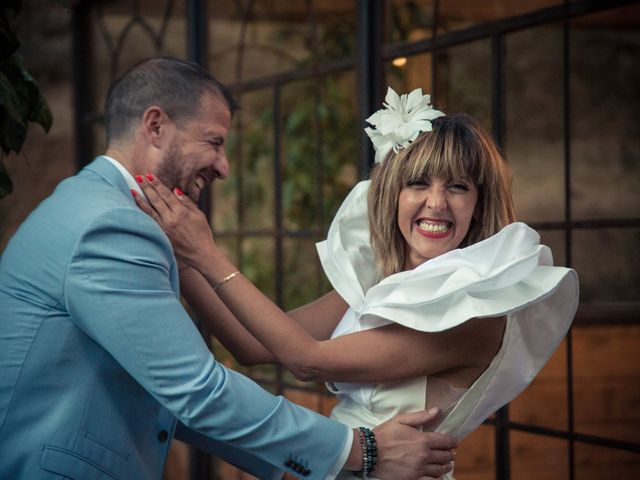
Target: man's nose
x,y
221,166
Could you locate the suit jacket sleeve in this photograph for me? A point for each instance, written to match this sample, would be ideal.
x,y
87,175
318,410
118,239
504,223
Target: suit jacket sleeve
x,y
228,453
118,291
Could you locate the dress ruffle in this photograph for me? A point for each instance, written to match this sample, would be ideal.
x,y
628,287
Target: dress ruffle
x,y
509,274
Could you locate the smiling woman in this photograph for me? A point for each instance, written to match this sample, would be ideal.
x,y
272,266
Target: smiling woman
x,y
449,188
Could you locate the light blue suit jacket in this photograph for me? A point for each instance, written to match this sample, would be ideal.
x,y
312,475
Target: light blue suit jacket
x,y
99,362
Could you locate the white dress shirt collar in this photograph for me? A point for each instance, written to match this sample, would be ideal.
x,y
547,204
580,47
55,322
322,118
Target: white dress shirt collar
x,y
131,182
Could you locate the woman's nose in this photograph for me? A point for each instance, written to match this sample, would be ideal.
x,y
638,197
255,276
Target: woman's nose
x,y
436,199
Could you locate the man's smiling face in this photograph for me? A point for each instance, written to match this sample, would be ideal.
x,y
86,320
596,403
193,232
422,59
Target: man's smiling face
x,y
196,155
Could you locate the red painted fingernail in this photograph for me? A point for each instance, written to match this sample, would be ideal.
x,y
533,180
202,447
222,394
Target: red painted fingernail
x,y
178,191
149,177
139,179
133,192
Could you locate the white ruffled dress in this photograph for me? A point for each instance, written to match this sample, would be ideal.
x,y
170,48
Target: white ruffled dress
x,y
509,274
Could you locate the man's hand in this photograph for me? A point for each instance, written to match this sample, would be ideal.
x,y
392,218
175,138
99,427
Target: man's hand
x,y
406,453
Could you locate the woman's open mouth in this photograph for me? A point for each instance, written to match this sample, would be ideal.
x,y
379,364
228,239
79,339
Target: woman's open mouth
x,y
434,228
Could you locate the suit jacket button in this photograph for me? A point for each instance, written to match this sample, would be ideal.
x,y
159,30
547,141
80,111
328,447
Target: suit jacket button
x,y
163,436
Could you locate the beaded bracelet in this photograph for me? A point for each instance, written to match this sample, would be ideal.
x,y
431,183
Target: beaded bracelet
x,y
369,451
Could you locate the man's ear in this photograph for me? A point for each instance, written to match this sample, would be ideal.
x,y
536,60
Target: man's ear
x,y
156,125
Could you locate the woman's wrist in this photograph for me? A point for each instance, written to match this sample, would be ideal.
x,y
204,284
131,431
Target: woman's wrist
x,y
226,279
215,266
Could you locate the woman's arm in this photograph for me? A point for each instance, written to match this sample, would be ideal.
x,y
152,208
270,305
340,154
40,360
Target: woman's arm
x,y
359,357
220,322
318,318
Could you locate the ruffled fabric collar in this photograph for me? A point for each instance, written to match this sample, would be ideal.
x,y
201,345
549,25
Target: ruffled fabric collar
x,y
442,292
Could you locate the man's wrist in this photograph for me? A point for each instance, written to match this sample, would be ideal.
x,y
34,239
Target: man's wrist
x,y
354,460
369,449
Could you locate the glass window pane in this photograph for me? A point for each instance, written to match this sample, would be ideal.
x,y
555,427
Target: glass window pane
x,y
534,457
606,362
555,240
224,194
534,126
408,20
605,106
340,134
124,33
258,265
549,388
404,74
457,14
319,160
594,463
251,179
304,279
463,80
301,131
248,40
608,264
475,456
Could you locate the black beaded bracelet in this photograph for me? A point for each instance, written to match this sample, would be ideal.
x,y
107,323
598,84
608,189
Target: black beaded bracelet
x,y
369,451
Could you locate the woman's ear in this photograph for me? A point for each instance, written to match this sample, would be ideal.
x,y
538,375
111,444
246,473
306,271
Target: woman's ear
x,y
156,125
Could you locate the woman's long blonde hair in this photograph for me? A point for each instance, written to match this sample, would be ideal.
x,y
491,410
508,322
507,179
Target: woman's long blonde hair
x,y
458,147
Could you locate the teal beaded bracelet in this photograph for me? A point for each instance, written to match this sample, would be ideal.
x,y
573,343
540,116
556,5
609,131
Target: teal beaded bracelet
x,y
369,451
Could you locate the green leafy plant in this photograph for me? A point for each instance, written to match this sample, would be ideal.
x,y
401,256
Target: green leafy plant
x,y
21,101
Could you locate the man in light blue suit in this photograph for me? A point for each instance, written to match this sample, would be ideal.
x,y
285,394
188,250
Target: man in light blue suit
x,y
100,365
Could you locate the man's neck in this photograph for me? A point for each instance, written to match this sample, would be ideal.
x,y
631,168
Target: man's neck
x,y
134,162
126,174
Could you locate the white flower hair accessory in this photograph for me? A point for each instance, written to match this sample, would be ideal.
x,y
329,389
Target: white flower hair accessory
x,y
401,121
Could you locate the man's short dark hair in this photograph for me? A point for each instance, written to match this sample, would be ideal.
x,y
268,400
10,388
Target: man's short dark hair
x,y
175,85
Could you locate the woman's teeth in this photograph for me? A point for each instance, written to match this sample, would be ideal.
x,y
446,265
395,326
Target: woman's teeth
x,y
431,227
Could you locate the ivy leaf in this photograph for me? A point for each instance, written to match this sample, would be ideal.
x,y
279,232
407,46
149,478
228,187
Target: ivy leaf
x,y
15,5
8,41
12,133
6,186
13,126
37,109
41,113
20,102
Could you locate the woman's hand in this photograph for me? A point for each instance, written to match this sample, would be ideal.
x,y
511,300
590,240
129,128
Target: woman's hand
x,y
180,218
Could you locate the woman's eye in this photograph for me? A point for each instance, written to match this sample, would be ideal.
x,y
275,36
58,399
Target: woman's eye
x,y
420,182
459,187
